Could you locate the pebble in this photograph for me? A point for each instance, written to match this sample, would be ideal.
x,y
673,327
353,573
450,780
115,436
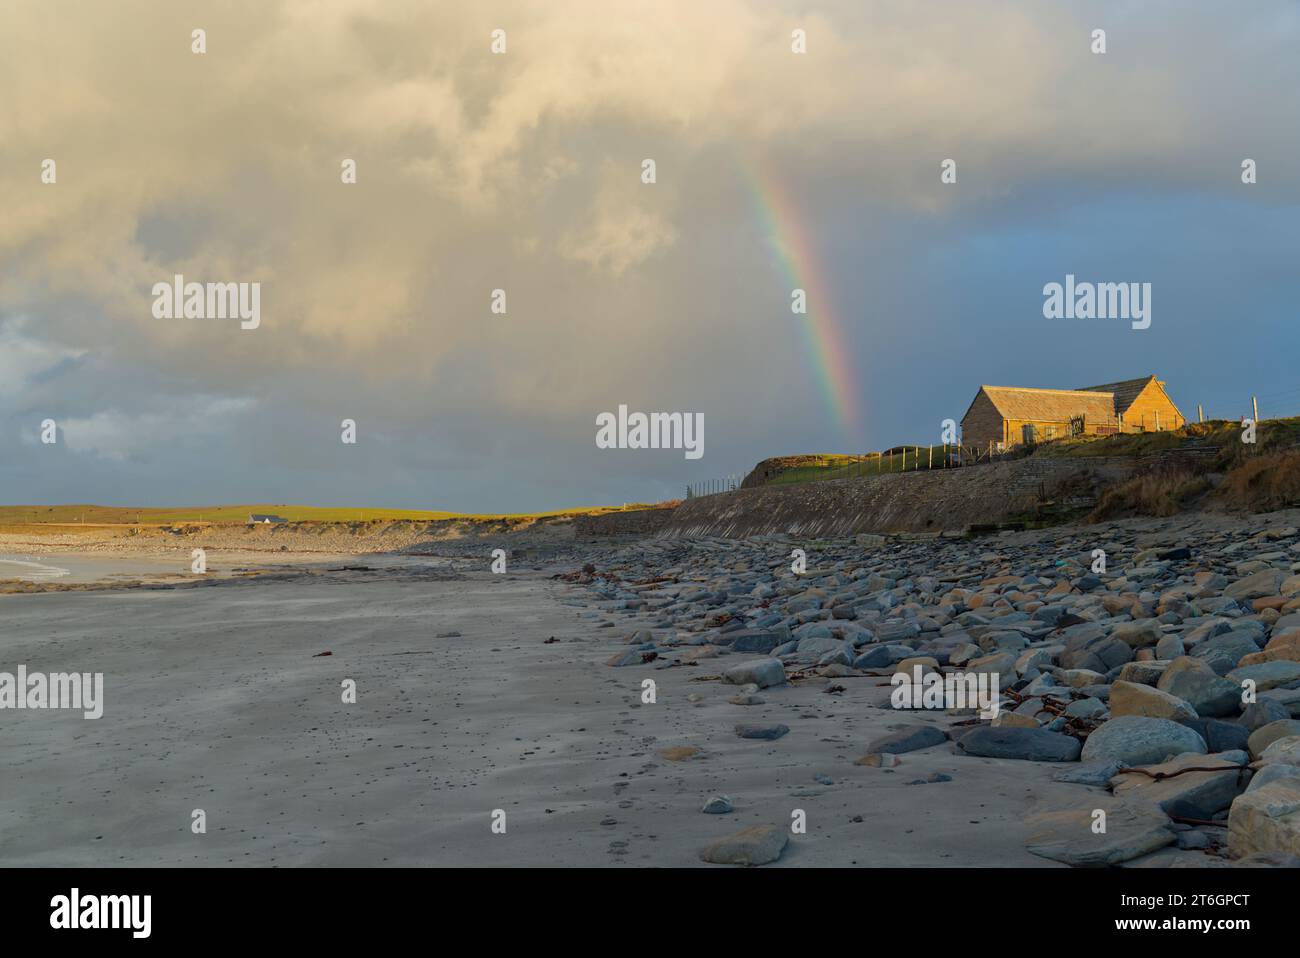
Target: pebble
x,y
718,805
1140,664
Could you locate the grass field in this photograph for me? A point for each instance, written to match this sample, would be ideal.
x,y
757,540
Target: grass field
x,y
235,515
903,458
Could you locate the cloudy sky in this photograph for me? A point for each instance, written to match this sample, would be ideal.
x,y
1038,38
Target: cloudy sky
x,y
522,171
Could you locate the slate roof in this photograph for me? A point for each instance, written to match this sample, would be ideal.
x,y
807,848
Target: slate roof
x,y
1051,405
1125,391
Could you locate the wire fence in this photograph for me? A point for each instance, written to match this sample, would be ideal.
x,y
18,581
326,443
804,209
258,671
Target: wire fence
x,y
712,487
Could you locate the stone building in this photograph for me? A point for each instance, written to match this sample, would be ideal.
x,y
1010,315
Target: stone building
x,y
1005,416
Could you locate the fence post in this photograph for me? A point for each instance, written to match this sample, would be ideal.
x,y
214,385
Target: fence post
x,y
1254,408
1200,413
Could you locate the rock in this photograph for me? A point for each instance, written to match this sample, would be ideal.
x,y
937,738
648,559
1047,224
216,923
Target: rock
x,y
1128,698
761,672
908,740
678,753
1266,735
746,698
1078,678
1271,773
836,663
897,631
1169,647
1033,745
878,760
1030,660
1139,740
876,657
1187,795
1267,675
1184,663
1088,708
631,657
1223,652
1285,751
1266,819
767,732
1220,736
1260,713
1096,652
1289,699
1000,663
756,845
925,663
1142,673
1088,773
1138,634
819,646
1067,836
718,805
1207,693
1015,720
1256,586
755,640
1285,645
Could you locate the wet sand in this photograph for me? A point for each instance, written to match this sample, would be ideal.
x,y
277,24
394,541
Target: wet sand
x,y
216,699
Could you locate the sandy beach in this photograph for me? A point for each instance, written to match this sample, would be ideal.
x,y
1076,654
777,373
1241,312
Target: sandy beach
x,y
217,699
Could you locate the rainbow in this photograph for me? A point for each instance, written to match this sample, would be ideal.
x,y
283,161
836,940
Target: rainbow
x,y
789,238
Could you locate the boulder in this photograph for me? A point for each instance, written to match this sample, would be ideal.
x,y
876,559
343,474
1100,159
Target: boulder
x,y
1028,744
908,739
1139,740
1266,735
1257,585
1207,693
1279,673
1139,634
1189,794
756,845
760,672
1128,698
1067,835
1266,819
755,641
1284,751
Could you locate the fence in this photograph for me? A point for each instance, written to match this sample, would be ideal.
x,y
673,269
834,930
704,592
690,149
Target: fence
x,y
711,487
